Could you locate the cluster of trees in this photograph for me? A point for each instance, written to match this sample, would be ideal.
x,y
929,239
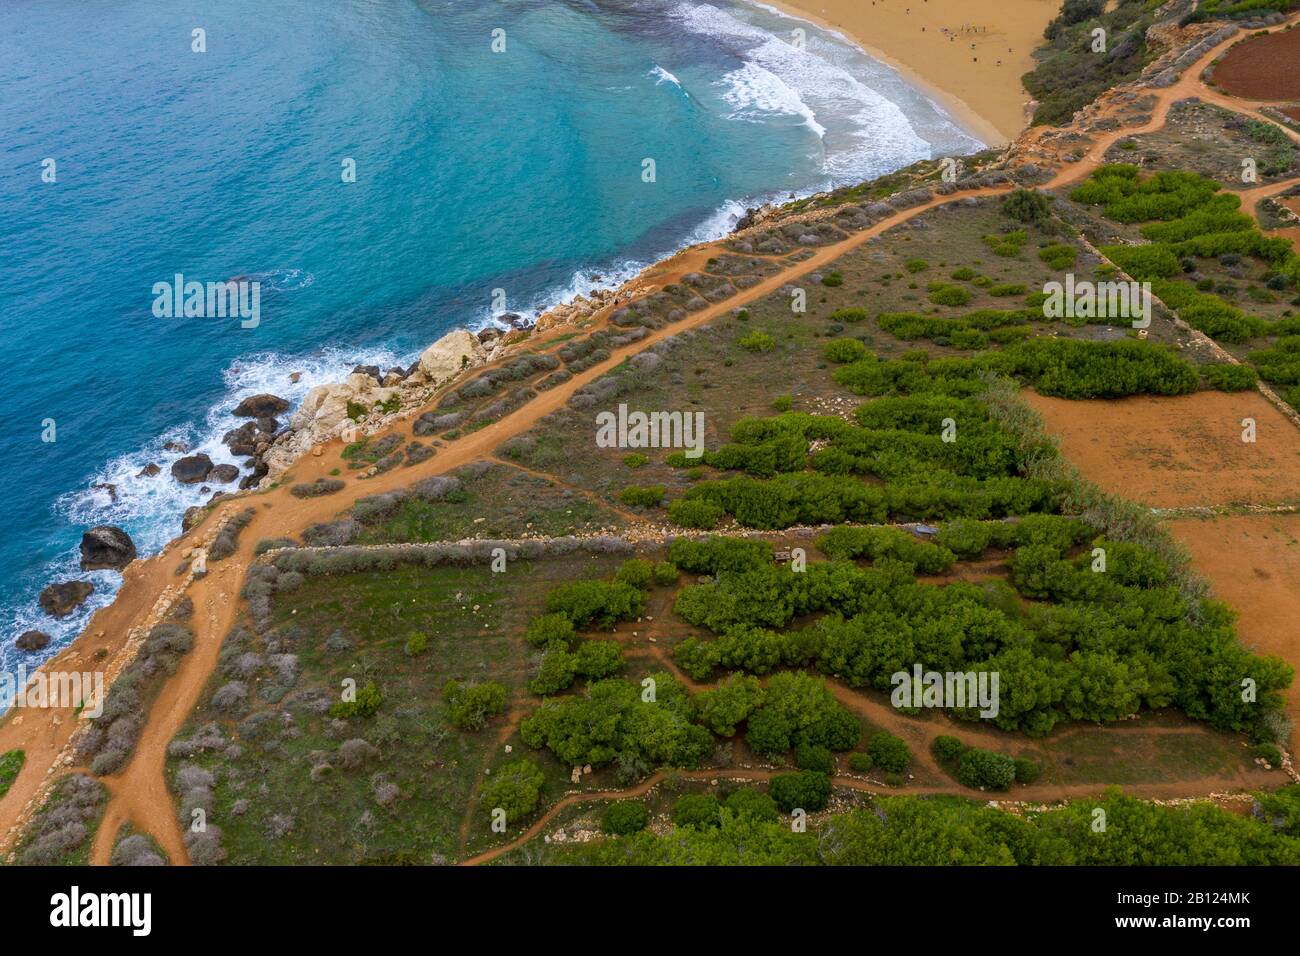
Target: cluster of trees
x,y
1218,319
941,455
875,543
920,831
1110,642
1075,369
1064,367
1187,217
913,325
581,605
705,811
619,722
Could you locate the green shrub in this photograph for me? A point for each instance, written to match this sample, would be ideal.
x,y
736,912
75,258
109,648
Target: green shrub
x,y
916,265
368,701
964,274
1007,245
638,572
814,757
950,295
598,603
783,403
757,342
947,749
1027,205
832,279
806,790
1269,753
470,705
636,460
702,811
752,804
558,670
1075,369
964,538
625,816
1007,289
695,513
638,496
889,752
984,769
665,573
845,350
596,659
849,315
515,788
1027,770
548,629
10,766
860,762
1058,256
1230,378
416,645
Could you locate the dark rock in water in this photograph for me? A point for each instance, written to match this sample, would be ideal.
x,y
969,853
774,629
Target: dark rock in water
x,y
489,334
110,488
223,474
32,641
260,470
371,370
260,406
106,546
179,446
244,439
267,425
192,517
61,599
191,469
149,471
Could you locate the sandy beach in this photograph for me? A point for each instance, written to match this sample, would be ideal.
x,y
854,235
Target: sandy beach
x,y
922,39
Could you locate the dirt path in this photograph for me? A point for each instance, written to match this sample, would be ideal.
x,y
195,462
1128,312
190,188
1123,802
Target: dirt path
x,y
139,793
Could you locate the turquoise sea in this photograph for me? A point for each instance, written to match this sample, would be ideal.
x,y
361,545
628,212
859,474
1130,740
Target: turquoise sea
x,y
475,170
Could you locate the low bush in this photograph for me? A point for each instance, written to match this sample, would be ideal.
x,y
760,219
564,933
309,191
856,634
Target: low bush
x,y
889,752
806,790
469,706
516,788
1230,378
624,816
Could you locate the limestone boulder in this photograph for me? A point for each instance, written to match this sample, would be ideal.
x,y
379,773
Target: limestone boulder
x,y
450,355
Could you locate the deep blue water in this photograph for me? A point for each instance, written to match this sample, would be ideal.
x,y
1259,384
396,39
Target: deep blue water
x,y
476,170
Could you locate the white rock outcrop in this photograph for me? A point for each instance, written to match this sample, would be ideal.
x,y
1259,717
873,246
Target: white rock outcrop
x,y
451,355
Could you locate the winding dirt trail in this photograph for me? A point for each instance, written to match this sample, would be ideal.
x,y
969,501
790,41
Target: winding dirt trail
x,y
138,793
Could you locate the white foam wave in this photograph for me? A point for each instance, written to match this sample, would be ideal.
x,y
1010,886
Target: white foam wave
x,y
868,118
663,76
753,90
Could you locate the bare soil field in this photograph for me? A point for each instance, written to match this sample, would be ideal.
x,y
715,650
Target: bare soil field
x,y
1262,68
1179,452
1253,563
